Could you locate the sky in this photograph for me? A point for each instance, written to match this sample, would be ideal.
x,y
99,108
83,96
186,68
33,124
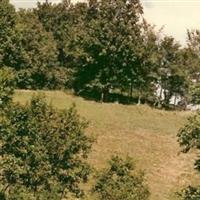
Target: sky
x,y
175,16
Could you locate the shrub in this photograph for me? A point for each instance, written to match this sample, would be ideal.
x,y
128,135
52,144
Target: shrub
x,y
190,193
120,182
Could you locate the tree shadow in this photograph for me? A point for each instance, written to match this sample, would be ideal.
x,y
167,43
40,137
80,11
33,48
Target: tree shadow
x,y
94,95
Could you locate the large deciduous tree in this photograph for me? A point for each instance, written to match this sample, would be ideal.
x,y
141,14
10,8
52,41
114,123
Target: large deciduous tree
x,y
108,48
33,53
43,151
7,27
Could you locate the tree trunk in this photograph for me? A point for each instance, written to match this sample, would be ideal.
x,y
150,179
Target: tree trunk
x,y
131,92
139,100
102,97
160,97
104,94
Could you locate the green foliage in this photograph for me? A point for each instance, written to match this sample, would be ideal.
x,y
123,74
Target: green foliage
x,y
120,182
43,151
33,53
7,24
7,83
171,73
106,50
191,62
189,135
195,93
62,21
190,193
189,138
97,48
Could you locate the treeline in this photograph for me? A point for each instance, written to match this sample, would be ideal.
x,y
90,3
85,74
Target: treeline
x,y
100,49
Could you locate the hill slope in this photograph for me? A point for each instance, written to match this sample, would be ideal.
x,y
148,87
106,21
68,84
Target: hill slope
x,y
148,135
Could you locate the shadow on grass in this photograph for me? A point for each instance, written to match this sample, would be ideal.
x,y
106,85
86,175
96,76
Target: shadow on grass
x,y
94,95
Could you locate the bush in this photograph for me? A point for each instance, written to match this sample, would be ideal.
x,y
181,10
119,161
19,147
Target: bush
x,y
189,138
121,182
190,193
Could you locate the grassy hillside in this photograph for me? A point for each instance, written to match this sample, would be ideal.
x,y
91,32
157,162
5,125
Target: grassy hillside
x,y
148,135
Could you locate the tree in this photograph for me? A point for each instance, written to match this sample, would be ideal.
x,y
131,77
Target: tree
x,y
107,49
7,83
120,182
146,71
33,53
192,59
189,138
193,47
189,135
64,20
43,151
172,76
7,26
61,20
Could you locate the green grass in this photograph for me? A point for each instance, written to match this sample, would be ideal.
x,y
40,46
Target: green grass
x,y
148,135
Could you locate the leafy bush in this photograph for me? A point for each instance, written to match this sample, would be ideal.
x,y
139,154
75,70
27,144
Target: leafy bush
x,y
121,182
189,138
190,193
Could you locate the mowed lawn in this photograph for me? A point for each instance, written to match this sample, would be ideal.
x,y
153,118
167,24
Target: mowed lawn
x,y
148,135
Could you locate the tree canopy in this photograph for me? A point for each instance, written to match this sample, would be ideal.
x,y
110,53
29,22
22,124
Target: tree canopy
x,y
43,151
104,50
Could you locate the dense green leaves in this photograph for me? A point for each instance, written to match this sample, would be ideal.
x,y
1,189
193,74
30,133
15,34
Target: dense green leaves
x,y
189,135
104,49
108,50
109,47
190,193
7,84
195,93
33,54
189,138
121,182
7,24
43,151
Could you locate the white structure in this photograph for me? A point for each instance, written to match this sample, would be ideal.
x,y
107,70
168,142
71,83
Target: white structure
x,y
160,94
193,107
